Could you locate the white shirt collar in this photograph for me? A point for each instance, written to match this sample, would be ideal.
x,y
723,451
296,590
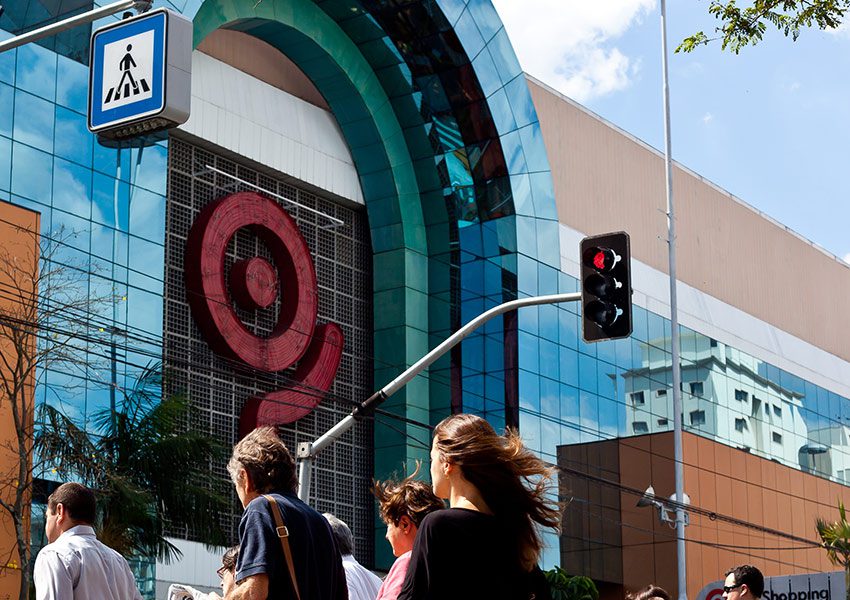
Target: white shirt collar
x,y
84,530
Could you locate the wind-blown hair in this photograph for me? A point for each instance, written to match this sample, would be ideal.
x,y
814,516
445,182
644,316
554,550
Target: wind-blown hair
x,y
513,482
409,498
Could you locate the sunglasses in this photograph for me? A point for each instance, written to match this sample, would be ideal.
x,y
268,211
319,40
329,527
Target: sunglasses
x,y
729,588
221,571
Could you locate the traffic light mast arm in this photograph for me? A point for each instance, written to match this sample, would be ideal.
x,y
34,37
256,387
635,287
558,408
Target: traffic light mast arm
x,y
308,450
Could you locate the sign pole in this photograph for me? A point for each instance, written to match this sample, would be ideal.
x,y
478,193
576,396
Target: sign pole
x,y
87,17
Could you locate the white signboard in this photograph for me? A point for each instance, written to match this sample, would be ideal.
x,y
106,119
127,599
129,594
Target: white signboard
x,y
808,586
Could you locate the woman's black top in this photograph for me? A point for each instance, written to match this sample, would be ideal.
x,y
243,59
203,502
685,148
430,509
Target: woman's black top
x,y
464,554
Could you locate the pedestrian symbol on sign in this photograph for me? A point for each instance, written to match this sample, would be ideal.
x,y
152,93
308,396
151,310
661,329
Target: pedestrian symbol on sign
x,y
127,82
127,70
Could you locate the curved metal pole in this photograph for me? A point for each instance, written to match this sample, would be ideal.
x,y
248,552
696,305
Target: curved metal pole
x,y
308,450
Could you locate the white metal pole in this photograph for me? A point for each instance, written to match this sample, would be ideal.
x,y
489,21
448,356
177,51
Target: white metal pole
x,y
308,450
674,323
70,22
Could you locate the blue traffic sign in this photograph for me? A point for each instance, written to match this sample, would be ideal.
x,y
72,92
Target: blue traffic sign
x,y
127,71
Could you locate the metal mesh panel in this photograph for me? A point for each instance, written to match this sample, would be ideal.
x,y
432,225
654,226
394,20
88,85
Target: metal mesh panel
x,y
217,388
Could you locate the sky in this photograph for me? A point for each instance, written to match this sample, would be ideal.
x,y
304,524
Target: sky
x,y
770,125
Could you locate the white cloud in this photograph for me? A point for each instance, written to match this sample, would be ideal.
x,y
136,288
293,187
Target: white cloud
x,y
568,44
842,30
707,118
794,86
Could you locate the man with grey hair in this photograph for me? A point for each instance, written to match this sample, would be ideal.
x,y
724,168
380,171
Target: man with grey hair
x,y
263,472
362,583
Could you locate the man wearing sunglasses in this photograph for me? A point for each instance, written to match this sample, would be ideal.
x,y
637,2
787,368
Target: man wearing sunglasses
x,y
743,583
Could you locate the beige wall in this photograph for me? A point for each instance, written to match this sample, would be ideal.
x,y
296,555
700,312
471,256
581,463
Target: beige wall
x,y
14,223
263,61
606,181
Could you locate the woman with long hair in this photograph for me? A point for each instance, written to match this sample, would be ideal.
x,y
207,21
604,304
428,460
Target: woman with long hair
x,y
487,544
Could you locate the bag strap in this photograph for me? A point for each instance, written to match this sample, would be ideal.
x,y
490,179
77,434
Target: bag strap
x,y
283,534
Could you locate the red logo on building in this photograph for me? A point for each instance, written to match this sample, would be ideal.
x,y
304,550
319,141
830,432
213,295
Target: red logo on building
x,y
255,284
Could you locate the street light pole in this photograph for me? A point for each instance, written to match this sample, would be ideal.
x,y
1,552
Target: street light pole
x,y
307,451
674,324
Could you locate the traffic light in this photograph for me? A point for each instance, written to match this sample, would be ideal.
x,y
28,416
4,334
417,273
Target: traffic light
x,y
606,287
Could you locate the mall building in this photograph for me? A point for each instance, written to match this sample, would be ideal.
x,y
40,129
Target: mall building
x,y
387,171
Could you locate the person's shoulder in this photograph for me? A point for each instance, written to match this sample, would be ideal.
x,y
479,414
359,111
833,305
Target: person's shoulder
x,y
451,516
437,519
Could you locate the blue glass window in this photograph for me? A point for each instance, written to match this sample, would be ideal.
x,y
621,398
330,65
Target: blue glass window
x,y
72,84
72,188
33,121
146,258
36,71
7,100
147,215
7,62
72,139
28,169
5,163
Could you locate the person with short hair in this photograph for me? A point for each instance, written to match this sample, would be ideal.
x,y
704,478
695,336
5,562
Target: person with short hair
x,y
227,572
75,564
650,592
260,466
403,505
362,583
744,582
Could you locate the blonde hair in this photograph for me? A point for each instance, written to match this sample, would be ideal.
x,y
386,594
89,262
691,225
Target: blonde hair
x,y
512,480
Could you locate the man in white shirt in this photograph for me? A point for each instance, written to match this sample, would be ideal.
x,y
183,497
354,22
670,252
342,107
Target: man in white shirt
x,y
75,565
362,583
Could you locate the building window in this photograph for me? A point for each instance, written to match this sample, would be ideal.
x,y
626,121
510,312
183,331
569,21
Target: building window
x,y
777,438
661,393
637,398
741,395
741,424
697,417
662,422
696,388
712,343
777,411
640,427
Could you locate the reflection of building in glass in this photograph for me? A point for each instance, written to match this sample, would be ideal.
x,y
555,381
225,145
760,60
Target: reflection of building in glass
x,y
723,397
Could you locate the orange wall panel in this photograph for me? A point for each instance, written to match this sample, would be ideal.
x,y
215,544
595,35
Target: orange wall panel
x,y
15,223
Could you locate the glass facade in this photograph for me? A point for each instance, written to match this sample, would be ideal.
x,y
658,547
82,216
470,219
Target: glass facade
x,y
104,210
462,217
572,392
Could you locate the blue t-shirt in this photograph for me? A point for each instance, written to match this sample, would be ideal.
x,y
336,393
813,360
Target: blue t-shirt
x,y
318,564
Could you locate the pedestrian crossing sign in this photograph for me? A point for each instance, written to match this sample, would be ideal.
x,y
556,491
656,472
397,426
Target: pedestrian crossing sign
x,y
139,81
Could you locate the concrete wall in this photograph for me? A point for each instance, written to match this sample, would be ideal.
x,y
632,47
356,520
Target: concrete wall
x,y
607,180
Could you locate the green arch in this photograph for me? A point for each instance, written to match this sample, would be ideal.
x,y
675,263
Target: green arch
x,y
404,310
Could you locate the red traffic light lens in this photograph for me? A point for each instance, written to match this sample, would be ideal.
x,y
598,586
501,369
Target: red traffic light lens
x,y
601,259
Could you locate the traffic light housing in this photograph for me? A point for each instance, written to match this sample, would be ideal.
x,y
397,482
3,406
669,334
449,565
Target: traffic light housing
x,y
606,287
